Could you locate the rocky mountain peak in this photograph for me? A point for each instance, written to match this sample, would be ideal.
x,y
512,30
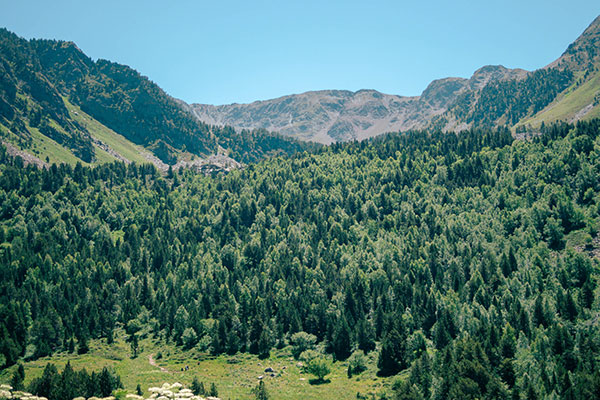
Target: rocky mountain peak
x,y
442,92
488,73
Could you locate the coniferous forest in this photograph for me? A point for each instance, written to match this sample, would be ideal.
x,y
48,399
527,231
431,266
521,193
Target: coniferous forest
x,y
468,262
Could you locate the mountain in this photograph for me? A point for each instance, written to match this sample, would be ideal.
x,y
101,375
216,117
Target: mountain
x,y
339,115
568,89
581,100
59,104
325,116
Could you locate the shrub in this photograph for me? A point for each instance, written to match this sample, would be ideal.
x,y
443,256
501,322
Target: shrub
x,y
318,367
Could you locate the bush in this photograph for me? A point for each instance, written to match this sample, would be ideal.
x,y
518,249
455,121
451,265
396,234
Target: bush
x,y
357,363
302,341
189,338
308,355
318,367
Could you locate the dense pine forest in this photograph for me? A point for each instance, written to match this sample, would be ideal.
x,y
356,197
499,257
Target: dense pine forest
x,y
469,260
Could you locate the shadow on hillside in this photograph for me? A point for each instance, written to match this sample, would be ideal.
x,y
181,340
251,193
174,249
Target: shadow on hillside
x,y
319,381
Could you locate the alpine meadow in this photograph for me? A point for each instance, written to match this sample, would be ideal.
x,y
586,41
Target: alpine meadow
x,y
332,244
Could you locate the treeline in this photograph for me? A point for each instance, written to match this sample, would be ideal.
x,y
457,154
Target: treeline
x,y
466,258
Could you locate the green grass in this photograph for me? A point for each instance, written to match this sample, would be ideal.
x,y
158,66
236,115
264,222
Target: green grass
x,y
566,106
235,376
102,156
42,146
578,239
118,143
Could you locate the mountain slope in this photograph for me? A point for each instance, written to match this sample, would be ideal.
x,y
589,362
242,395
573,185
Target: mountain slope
x,y
494,96
582,99
46,84
339,115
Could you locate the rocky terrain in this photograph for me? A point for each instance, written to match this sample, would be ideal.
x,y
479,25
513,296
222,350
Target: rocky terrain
x,y
329,116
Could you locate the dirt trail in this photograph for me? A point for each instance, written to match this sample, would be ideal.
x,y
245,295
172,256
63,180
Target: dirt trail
x,y
154,364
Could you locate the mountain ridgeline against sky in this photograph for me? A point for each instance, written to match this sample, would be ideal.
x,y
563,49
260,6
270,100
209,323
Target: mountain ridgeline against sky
x,y
58,104
50,90
493,96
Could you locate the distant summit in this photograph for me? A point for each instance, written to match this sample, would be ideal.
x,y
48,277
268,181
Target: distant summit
x,y
493,96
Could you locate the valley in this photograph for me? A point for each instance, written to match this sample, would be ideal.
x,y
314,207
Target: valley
x,y
326,245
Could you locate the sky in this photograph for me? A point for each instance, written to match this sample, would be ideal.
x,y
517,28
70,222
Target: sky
x,y
225,51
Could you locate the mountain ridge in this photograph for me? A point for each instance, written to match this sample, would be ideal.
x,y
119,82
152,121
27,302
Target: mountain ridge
x,y
57,102
512,97
328,116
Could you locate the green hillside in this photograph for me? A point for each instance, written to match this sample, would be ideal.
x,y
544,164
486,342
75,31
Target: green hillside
x,y
51,88
234,375
580,101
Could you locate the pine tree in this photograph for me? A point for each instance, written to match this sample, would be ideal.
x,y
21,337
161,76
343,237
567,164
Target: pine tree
x,y
264,344
213,390
260,391
83,345
198,387
342,344
18,378
365,335
391,356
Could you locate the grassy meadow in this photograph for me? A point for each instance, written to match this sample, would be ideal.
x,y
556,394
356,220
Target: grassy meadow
x,y
235,376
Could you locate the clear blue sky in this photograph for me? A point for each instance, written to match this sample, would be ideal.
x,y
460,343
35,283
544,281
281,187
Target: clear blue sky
x,y
222,51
